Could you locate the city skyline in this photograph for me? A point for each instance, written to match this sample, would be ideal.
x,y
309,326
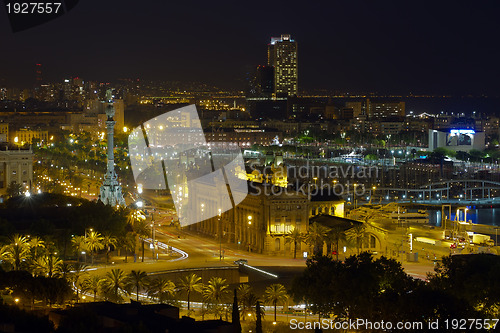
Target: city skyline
x,y
189,167
387,48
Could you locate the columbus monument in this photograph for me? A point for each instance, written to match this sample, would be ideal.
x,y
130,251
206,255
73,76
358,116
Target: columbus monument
x,y
111,191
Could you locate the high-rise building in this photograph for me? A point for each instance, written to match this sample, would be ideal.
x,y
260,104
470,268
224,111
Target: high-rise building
x,y
376,108
282,55
38,71
384,108
68,89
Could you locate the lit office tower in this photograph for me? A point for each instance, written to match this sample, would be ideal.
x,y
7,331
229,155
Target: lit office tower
x,y
40,93
282,55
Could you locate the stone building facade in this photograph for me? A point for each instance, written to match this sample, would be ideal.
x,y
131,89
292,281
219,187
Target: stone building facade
x,y
261,222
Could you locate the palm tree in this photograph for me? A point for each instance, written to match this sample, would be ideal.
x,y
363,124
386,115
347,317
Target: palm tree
x,y
94,243
137,220
14,189
247,299
65,270
137,279
16,251
190,283
35,243
274,294
48,265
142,230
357,234
78,270
134,216
203,311
335,235
258,318
235,318
93,284
80,244
128,243
115,284
214,293
296,237
316,236
162,289
107,242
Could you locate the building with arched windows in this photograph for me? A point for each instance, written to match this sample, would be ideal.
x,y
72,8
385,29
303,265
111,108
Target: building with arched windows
x,y
262,222
359,234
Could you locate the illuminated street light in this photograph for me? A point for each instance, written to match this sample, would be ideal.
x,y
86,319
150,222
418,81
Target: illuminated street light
x,y
354,194
220,233
139,204
249,224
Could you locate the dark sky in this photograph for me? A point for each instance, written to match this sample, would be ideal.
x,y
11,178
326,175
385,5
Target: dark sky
x,y
351,45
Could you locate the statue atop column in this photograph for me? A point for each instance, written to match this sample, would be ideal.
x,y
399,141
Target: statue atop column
x,y
111,191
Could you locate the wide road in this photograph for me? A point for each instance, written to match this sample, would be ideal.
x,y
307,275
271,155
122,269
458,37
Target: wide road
x,y
204,252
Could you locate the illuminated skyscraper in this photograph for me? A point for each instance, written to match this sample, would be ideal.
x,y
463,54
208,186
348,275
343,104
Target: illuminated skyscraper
x,y
38,71
282,55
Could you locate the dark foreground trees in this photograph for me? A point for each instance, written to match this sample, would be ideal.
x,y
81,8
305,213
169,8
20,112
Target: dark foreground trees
x,y
23,321
472,279
29,289
379,289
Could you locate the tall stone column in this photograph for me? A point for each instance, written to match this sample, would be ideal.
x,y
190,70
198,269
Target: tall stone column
x,y
111,191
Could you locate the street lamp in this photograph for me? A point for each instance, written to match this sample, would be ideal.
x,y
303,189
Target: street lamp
x,y
153,234
354,194
249,218
220,234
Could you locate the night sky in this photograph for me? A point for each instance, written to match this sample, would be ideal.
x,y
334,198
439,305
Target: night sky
x,y
439,47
